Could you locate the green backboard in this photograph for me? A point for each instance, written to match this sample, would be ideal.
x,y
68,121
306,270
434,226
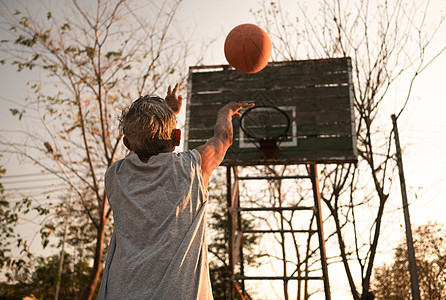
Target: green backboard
x,y
315,95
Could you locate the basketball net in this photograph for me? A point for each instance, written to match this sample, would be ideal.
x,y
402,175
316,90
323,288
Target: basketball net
x,y
265,125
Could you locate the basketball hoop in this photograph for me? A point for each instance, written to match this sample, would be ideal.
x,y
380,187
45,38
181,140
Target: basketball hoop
x,y
265,126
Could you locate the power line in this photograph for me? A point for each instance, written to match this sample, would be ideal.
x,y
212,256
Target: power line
x,y
12,101
39,196
31,180
33,187
27,175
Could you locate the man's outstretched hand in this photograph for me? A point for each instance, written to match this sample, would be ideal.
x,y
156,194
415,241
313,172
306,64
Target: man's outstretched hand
x,y
232,108
175,102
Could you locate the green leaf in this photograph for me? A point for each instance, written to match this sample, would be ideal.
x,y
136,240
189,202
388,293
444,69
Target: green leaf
x,y
16,112
113,53
91,52
24,41
24,21
65,26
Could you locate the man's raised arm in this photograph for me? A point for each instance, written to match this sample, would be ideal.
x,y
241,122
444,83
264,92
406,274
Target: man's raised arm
x,y
213,152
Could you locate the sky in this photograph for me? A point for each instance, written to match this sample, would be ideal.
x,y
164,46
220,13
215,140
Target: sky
x,y
422,127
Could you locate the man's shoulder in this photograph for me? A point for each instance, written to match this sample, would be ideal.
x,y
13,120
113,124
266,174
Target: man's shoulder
x,y
185,155
194,155
112,168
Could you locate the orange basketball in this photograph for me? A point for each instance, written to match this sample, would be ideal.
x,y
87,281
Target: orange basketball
x,y
248,48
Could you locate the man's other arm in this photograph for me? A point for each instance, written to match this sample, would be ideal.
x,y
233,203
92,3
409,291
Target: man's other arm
x,y
213,152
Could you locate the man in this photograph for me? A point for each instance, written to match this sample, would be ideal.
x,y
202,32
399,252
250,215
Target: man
x,y
158,249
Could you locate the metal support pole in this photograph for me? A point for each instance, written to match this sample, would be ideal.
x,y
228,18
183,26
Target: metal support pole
x,y
409,240
282,236
320,229
230,231
238,252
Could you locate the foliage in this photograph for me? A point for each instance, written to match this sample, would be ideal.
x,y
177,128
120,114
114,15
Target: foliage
x,y
9,238
392,281
40,276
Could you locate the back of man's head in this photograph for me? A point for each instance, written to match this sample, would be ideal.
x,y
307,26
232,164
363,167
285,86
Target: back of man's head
x,y
147,125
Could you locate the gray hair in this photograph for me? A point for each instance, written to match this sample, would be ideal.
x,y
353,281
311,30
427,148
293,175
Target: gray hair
x,y
148,124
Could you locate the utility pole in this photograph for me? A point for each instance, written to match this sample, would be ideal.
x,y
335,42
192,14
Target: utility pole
x,y
409,240
50,150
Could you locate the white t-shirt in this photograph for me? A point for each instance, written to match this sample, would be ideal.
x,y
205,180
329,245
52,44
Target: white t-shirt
x,y
158,248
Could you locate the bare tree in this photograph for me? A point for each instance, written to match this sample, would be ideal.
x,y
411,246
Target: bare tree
x,y
95,58
385,39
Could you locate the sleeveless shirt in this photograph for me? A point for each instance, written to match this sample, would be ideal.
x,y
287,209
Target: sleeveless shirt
x,y
158,249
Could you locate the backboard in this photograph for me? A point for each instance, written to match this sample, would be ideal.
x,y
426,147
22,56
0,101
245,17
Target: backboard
x,y
308,104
